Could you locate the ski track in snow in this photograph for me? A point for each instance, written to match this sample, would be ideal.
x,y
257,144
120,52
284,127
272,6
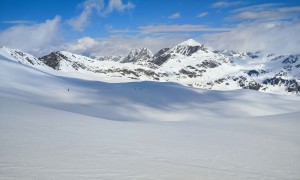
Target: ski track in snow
x,y
141,130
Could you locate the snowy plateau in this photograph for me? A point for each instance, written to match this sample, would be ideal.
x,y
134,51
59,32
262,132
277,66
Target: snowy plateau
x,y
186,112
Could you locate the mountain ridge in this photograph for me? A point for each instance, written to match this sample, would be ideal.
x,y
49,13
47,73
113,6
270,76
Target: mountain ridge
x,y
189,63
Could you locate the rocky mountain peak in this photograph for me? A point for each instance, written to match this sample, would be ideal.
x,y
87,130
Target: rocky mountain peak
x,y
142,54
189,47
52,60
57,59
186,48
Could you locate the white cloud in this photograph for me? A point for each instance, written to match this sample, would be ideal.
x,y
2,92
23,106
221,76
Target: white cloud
x,y
121,31
202,14
80,22
18,22
32,38
170,28
258,7
178,28
223,4
265,12
273,37
174,16
119,6
265,27
83,45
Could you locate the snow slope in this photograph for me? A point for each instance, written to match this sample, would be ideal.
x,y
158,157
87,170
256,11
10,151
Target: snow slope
x,y
141,130
19,56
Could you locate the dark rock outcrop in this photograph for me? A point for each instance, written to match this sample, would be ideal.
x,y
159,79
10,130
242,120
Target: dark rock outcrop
x,y
53,59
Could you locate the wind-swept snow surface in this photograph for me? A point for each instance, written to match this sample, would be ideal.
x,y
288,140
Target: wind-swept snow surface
x,y
55,127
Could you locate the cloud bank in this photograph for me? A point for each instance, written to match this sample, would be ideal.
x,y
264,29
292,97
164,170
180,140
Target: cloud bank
x,y
272,37
224,4
32,38
265,12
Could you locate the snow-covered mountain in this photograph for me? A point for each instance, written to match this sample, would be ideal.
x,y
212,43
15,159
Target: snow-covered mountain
x,y
71,63
189,63
62,60
19,56
180,51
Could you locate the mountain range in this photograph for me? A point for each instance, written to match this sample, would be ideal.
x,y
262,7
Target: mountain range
x,y
189,63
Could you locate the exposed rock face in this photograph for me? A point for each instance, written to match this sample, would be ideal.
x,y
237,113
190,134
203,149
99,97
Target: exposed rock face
x,y
62,60
253,73
53,59
143,54
110,58
292,59
291,85
162,58
209,64
253,85
188,50
160,52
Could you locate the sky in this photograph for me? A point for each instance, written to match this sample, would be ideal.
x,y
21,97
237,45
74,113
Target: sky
x,y
115,27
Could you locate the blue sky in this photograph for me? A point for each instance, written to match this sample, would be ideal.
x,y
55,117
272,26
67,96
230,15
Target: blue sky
x,y
111,27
